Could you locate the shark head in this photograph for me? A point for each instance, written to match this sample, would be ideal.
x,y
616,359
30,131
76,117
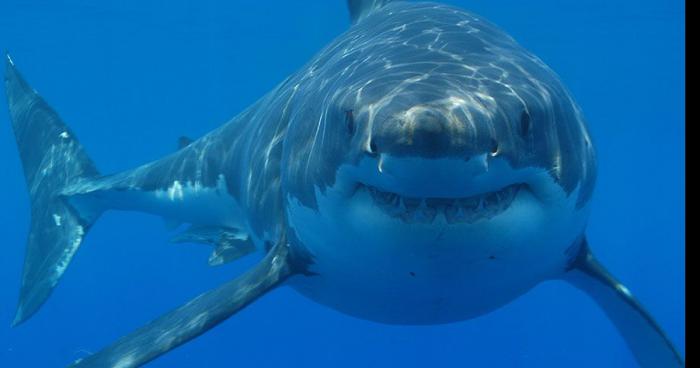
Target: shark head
x,y
434,153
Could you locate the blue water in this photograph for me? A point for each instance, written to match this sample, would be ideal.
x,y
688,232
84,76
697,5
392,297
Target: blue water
x,y
130,77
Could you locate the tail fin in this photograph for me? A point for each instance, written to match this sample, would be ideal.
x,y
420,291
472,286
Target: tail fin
x,y
52,160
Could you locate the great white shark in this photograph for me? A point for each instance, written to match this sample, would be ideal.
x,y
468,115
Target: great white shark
x,y
423,168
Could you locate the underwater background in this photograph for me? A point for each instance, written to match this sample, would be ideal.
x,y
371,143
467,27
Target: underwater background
x,y
130,77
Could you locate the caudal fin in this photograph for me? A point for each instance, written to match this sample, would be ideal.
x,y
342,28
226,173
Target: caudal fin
x,y
52,159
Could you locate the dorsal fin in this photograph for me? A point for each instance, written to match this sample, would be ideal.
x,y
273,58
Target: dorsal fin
x,y
359,9
184,141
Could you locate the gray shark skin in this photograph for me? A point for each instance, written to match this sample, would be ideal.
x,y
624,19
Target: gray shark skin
x,y
423,168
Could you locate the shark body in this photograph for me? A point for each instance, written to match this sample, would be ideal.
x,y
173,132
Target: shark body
x,y
423,168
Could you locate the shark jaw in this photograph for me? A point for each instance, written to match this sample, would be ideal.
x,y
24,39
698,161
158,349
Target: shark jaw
x,y
444,210
412,247
439,192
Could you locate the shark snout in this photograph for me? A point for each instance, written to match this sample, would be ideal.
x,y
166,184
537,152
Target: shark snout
x,y
431,133
427,130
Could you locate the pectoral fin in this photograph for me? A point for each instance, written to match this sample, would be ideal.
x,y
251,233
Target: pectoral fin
x,y
196,317
648,342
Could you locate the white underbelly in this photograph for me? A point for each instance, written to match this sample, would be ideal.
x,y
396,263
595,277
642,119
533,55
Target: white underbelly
x,y
376,267
182,202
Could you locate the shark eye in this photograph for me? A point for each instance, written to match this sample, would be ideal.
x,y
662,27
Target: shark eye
x,y
524,123
350,121
494,146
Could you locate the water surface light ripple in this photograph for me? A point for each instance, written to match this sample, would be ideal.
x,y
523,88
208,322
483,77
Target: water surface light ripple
x,y
361,182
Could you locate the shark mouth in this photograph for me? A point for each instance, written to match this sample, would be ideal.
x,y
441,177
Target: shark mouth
x,y
455,210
